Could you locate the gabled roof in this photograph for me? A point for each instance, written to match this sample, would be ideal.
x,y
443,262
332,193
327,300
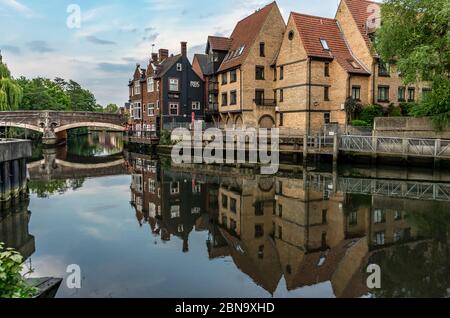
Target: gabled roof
x,y
166,65
203,62
218,43
244,36
314,29
361,12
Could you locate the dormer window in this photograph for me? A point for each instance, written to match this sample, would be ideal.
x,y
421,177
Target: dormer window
x,y
325,44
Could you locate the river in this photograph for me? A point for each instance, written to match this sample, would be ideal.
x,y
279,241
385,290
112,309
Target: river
x,y
139,226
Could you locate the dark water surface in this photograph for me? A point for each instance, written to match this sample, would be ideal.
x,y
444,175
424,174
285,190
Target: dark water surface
x,y
139,227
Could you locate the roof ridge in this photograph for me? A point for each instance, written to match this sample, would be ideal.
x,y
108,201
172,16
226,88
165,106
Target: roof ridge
x,y
257,11
312,16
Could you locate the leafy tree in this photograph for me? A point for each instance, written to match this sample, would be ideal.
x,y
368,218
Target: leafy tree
x,y
81,99
352,107
416,35
10,91
370,112
12,284
112,108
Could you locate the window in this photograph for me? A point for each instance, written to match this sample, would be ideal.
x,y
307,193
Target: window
x,y
384,69
174,188
327,69
173,109
259,72
233,205
233,98
179,67
233,225
259,97
224,201
280,232
233,76
280,210
224,78
150,85
151,109
175,211
327,118
401,94
157,104
353,218
259,230
281,72
398,216
262,49
275,74
195,105
241,50
324,216
425,92
174,85
137,87
157,86
224,99
259,208
326,93
324,44
281,95
383,93
356,93
411,94
151,186
291,35
380,238
379,216
137,111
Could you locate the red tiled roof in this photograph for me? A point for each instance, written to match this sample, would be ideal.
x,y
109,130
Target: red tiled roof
x,y
219,43
245,34
314,29
361,12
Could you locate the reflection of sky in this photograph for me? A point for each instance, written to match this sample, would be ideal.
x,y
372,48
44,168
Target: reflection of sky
x,y
95,227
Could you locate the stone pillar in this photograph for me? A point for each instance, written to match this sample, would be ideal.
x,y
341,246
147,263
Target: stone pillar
x,y
15,171
6,179
335,148
305,149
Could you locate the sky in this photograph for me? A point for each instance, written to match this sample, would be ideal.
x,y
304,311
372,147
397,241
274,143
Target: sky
x,y
42,38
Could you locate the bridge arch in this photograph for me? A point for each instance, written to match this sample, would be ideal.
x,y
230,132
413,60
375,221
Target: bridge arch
x,y
23,126
89,124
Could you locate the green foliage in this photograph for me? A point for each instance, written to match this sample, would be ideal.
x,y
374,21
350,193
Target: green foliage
x,y
360,123
370,112
394,111
46,189
112,108
165,138
416,34
407,108
352,107
10,91
12,284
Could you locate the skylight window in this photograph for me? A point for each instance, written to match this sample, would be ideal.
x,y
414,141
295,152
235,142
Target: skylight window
x,y
354,64
325,44
241,50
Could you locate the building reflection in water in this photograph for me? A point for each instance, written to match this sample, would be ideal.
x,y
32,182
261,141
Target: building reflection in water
x,y
302,229
14,221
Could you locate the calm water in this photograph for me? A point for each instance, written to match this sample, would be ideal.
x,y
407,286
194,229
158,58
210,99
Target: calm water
x,y
138,227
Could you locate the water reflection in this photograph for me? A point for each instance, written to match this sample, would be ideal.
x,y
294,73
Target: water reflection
x,y
141,227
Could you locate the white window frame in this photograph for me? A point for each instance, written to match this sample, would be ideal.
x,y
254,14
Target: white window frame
x,y
325,45
175,211
179,67
157,104
173,106
151,109
174,190
151,186
196,105
137,87
137,111
150,85
172,82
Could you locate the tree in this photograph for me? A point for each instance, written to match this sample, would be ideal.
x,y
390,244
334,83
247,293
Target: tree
x,y
112,108
81,99
416,35
10,91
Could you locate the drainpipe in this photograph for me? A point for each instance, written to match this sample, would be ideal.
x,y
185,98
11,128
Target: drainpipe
x,y
373,81
309,95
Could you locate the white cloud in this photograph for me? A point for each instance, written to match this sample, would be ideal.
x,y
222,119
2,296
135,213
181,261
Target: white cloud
x,y
17,6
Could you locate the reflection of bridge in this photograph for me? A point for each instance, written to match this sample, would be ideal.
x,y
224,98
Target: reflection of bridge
x,y
54,125
51,168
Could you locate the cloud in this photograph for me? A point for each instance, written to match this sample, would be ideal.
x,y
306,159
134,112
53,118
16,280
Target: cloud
x,y
152,37
96,40
39,46
11,48
115,67
17,6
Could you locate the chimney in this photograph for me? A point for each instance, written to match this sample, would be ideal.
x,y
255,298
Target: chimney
x,y
154,57
163,54
184,49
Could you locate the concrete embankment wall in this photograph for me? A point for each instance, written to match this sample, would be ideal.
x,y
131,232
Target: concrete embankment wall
x,y
408,127
13,167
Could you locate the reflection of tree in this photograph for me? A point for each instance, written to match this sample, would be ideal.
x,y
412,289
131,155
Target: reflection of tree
x,y
418,270
80,146
45,189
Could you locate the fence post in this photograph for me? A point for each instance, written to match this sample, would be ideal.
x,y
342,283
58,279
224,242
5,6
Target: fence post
x,y
305,148
437,149
335,148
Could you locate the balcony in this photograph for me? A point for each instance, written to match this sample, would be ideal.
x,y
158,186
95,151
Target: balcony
x,y
265,102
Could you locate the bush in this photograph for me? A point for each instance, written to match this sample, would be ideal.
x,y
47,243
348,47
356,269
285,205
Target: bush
x,y
360,123
394,111
370,112
165,138
12,284
406,108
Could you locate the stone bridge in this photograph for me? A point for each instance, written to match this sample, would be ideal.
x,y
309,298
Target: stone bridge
x,y
54,125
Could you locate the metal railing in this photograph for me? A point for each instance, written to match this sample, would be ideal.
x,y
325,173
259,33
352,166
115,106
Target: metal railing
x,y
265,102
